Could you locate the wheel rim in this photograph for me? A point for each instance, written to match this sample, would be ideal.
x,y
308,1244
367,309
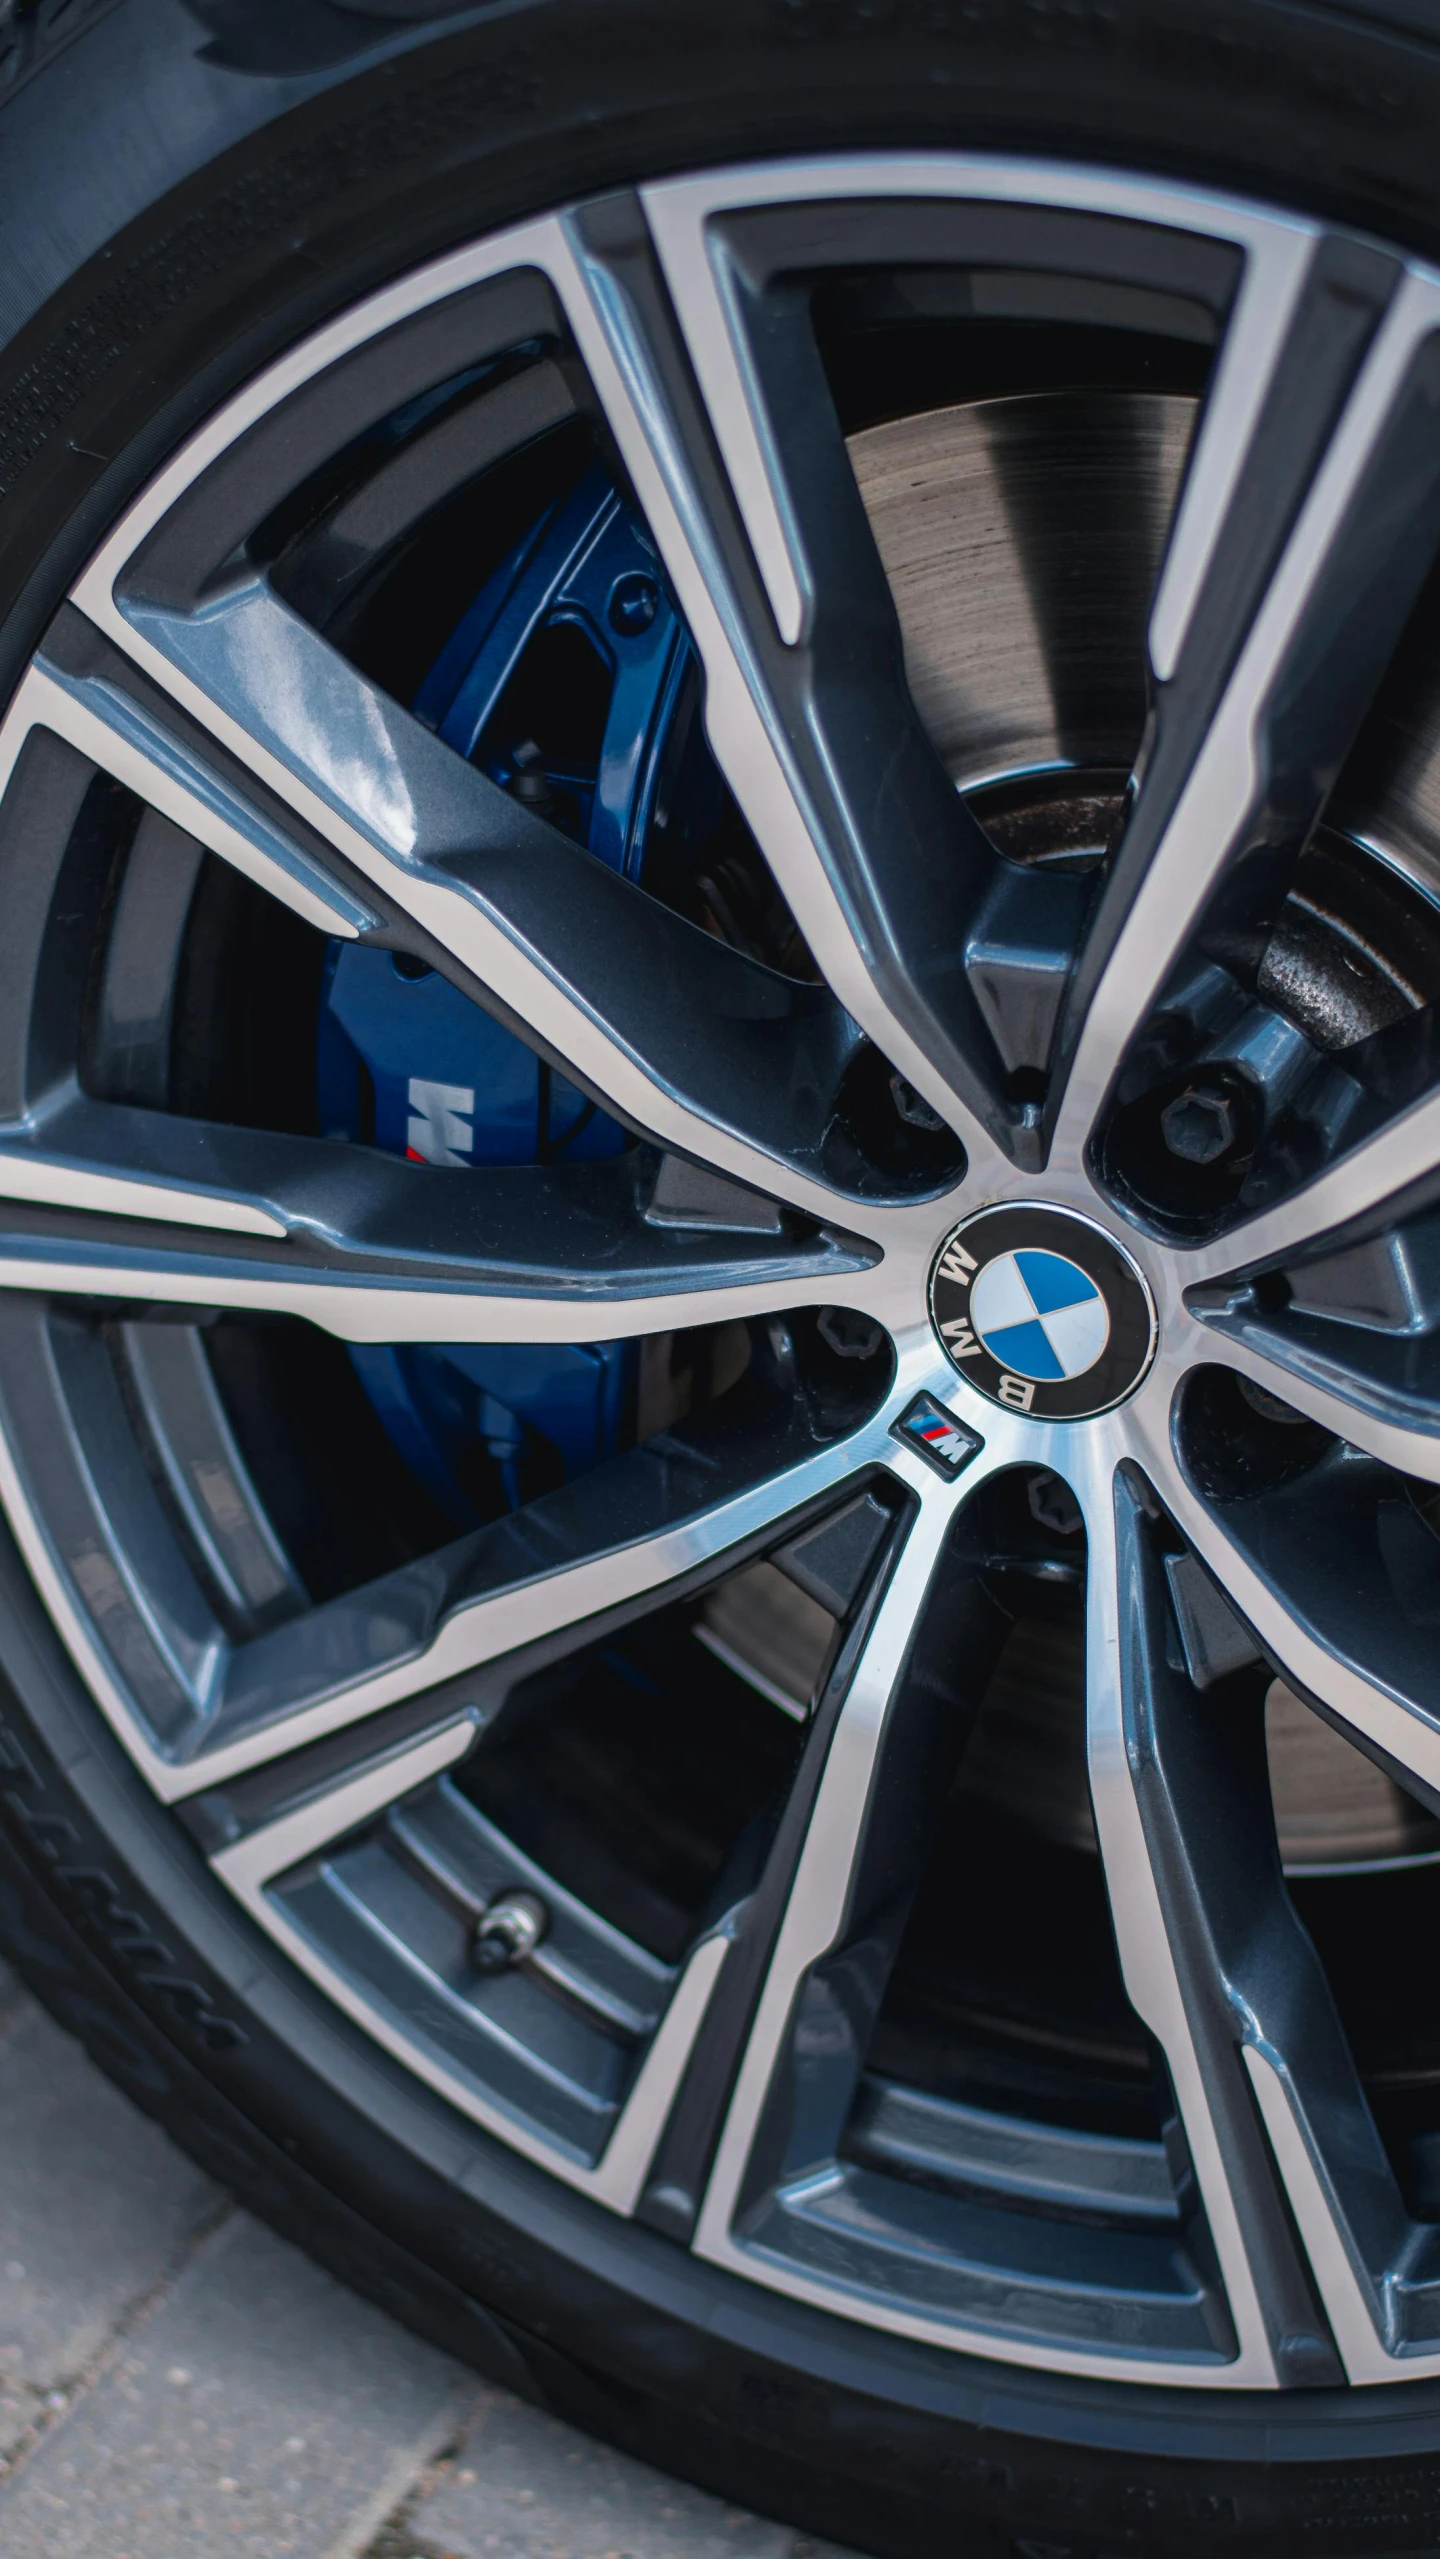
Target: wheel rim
x,y
1186,1015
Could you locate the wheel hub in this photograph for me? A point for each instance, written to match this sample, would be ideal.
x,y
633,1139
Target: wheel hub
x,y
1043,1312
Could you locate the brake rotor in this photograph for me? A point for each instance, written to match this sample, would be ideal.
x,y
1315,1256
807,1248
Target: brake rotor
x,y
1023,540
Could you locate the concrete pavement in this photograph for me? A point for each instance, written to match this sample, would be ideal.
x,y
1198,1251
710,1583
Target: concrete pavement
x,y
177,2383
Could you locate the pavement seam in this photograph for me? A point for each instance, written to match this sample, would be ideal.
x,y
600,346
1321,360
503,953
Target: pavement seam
x,y
59,2404
383,2527
397,2541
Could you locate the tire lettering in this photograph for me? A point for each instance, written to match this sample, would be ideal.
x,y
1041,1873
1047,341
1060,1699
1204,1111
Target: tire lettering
x,y
94,1901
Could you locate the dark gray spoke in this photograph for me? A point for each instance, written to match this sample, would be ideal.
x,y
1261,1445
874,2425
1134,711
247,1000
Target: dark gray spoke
x,y
1182,1906
374,1249
972,214
404,1788
904,863
790,2200
1307,1575
1258,2011
206,1674
919,1755
692,1041
1383,1168
287,1812
1376,1389
821,745
816,1874
570,1567
728,246
307,1754
1311,568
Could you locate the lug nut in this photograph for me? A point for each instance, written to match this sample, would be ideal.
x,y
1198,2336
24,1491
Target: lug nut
x,y
1199,1125
508,1931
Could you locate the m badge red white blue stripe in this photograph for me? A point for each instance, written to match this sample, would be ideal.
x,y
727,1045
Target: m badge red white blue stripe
x,y
932,1429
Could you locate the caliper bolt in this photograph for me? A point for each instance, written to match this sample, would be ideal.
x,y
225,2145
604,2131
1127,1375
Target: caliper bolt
x,y
634,603
508,1931
531,785
1199,1125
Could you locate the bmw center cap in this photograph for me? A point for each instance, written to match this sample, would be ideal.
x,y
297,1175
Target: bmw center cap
x,y
1042,1312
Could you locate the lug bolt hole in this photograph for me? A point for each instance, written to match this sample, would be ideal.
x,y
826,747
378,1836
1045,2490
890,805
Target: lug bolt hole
x,y
849,1334
1052,1505
915,1112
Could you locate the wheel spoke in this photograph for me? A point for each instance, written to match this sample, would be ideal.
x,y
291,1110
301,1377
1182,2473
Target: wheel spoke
x,y
695,1043
122,736
196,1706
1314,1650
776,2205
376,1250
256,1865
1308,1367
1248,1973
1283,648
822,1872
727,247
1377,1172
821,744
1152,1794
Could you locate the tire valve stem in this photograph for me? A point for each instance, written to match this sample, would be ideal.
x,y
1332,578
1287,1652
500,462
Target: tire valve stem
x,y
508,1931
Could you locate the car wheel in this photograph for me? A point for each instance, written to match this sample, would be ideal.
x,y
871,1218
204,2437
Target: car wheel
x,y
775,1764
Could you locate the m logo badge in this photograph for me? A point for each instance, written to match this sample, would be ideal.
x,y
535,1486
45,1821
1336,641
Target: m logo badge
x,y
937,1434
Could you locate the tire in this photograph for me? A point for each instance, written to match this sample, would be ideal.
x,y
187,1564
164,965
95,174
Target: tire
x,y
191,190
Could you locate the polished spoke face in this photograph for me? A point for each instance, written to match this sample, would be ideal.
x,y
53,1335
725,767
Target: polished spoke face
x,y
613,982
1259,704
566,849
1212,1954
1243,1602
827,753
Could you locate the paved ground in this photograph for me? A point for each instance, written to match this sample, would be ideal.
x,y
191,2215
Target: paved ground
x,y
175,2383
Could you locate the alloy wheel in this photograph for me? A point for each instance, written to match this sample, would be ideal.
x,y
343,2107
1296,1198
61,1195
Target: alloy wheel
x,y
717,1313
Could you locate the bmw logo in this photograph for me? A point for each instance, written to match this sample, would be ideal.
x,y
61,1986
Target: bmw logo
x,y
1042,1311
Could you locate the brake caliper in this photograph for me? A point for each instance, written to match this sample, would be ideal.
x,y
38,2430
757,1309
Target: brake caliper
x,y
561,682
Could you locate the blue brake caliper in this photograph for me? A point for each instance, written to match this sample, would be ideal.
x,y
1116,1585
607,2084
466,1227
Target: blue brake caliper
x,y
408,1063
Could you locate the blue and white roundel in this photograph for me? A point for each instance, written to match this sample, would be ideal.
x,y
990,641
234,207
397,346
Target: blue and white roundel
x,y
1039,1315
